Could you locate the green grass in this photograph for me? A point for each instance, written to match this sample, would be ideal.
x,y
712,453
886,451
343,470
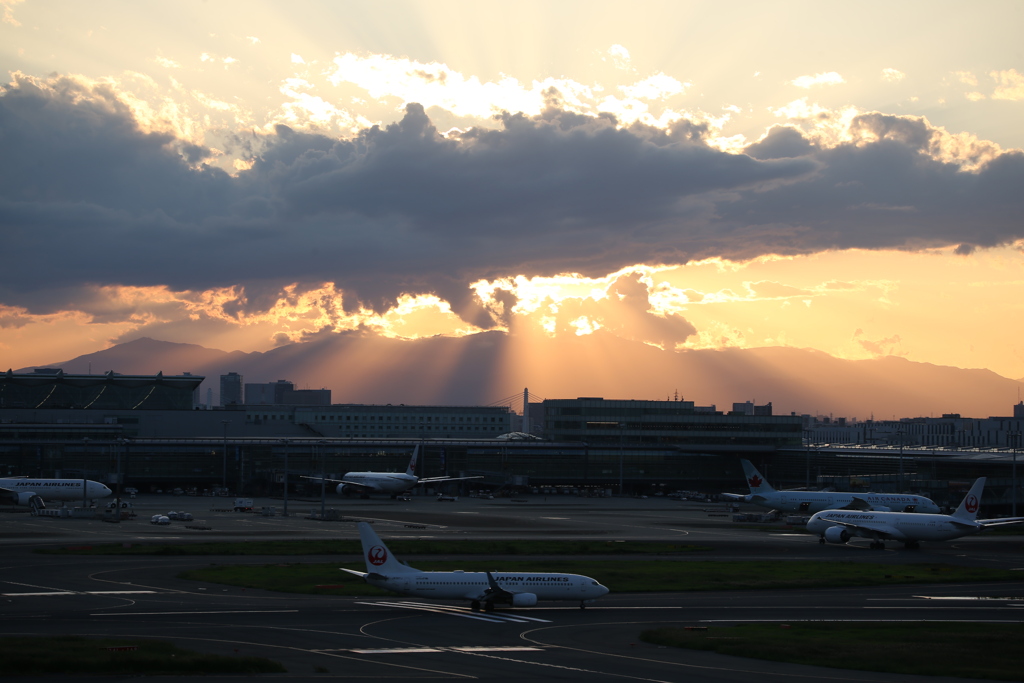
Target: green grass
x,y
403,547
34,656
965,650
620,576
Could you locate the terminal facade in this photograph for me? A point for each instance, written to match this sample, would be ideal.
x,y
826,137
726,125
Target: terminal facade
x,y
150,428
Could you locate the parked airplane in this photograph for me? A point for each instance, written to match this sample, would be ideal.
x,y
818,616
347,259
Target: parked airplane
x,y
838,526
519,589
762,494
32,492
392,483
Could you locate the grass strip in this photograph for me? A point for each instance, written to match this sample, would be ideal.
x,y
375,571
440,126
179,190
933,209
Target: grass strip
x,y
620,576
39,655
962,650
404,547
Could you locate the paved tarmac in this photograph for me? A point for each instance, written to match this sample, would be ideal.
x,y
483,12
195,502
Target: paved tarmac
x,y
397,638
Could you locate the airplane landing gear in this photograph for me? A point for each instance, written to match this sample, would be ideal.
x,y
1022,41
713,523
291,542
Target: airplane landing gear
x,y
583,604
474,606
821,540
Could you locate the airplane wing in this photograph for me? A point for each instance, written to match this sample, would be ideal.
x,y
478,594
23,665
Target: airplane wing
x,y
986,523
733,496
361,575
354,484
870,529
435,480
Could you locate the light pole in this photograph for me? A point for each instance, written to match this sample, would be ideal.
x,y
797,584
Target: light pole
x,y
1015,436
622,438
284,513
807,458
224,476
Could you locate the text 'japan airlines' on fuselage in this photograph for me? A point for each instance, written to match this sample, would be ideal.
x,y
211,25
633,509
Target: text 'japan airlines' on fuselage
x,y
32,492
519,589
764,495
839,526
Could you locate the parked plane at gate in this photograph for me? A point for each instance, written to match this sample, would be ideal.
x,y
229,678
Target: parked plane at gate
x,y
392,483
838,526
762,494
519,589
32,492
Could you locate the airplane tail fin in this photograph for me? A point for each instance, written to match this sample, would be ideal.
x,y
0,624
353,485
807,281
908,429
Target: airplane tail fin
x,y
968,509
379,559
755,481
411,469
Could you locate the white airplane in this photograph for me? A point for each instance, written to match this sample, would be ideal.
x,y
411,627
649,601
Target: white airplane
x,y
762,494
519,589
393,483
839,526
32,492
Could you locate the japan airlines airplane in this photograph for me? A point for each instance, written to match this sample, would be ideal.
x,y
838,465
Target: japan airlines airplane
x,y
519,589
32,492
392,483
762,494
838,526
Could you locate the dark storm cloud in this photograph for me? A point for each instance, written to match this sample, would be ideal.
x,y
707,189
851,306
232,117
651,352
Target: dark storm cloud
x,y
86,196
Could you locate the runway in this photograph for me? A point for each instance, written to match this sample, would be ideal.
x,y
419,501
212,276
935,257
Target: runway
x,y
397,638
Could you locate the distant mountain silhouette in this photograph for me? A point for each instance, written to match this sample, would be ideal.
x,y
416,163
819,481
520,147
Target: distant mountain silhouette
x,y
486,368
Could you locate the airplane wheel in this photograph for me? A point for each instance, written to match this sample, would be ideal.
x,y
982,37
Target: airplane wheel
x,y
821,541
475,606
583,605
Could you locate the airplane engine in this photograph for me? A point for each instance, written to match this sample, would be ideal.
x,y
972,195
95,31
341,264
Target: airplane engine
x,y
342,490
524,600
31,499
837,534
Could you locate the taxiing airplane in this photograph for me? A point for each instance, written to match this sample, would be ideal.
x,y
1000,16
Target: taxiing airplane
x,y
839,526
393,483
763,495
519,589
33,492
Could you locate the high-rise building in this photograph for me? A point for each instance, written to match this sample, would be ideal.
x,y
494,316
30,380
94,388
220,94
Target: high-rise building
x,y
231,389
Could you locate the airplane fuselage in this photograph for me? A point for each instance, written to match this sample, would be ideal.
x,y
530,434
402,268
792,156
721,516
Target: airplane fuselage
x,y
901,526
55,489
458,585
816,501
379,482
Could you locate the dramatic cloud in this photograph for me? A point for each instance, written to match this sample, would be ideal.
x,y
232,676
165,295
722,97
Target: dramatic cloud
x,y
91,197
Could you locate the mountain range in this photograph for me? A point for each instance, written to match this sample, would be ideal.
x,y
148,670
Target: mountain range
x,y
486,369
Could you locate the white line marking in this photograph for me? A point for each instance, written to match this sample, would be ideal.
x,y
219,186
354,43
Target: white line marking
x,y
235,611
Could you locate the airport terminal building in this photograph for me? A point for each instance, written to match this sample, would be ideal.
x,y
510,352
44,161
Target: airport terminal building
x,y
152,430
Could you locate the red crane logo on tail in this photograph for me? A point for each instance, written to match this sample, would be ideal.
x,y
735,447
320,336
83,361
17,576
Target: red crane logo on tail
x,y
377,556
971,504
755,481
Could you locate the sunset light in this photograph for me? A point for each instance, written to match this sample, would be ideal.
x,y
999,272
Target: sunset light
x,y
244,178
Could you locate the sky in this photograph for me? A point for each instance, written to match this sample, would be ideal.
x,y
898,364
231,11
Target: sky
x,y
688,175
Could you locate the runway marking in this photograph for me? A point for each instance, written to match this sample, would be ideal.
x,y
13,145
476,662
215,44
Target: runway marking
x,y
422,650
227,611
25,595
964,597
491,617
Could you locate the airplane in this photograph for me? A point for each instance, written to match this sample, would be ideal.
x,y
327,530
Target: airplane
x,y
33,492
518,589
763,495
838,526
393,483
